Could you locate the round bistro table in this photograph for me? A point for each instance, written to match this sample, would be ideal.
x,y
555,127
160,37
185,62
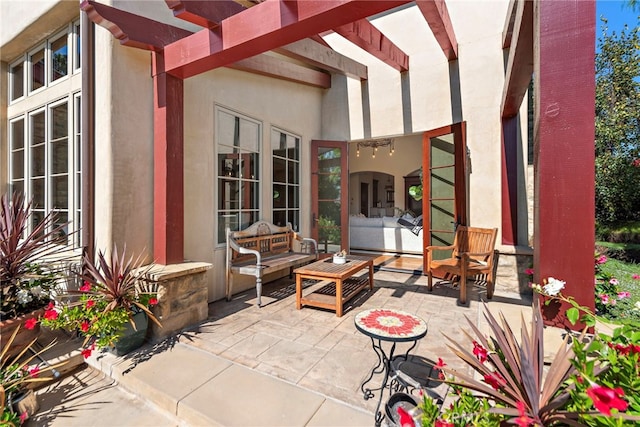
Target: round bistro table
x,y
388,325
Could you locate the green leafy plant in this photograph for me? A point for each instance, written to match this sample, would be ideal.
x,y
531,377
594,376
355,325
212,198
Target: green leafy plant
x,y
112,292
31,262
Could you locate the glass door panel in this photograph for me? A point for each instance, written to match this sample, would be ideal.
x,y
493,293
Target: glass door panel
x,y
329,198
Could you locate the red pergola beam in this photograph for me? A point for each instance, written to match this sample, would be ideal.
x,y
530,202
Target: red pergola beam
x,y
437,16
564,212
520,62
264,27
365,35
205,13
132,30
266,65
310,52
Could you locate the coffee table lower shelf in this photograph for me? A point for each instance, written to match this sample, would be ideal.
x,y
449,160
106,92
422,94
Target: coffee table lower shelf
x,y
325,297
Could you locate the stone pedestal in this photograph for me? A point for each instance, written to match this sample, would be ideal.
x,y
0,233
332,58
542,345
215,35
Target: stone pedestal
x,y
182,297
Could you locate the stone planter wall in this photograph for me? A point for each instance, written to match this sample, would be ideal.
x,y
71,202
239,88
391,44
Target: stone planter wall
x,y
512,263
182,297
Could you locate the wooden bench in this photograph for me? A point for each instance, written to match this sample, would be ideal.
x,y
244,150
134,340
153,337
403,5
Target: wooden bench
x,y
265,248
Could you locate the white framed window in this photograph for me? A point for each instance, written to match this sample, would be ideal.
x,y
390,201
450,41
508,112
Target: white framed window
x,y
17,81
58,57
17,156
77,56
286,178
37,72
238,142
44,141
77,168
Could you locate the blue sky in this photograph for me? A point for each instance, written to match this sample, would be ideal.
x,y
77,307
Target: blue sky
x,y
617,13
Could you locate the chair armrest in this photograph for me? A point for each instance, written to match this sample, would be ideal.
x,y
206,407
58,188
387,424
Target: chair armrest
x,y
460,254
439,248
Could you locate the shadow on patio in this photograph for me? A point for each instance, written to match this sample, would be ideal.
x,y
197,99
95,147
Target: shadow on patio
x,y
314,349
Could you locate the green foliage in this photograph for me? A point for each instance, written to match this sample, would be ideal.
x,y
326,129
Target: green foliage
x,y
467,410
624,232
618,126
27,280
614,362
617,290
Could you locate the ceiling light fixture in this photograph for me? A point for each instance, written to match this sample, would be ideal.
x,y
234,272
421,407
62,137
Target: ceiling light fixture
x,y
375,144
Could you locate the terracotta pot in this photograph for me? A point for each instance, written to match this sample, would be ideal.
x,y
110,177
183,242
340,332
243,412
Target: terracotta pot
x,y
24,337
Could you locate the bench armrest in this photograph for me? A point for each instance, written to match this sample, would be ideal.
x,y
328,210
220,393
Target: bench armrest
x,y
243,250
306,241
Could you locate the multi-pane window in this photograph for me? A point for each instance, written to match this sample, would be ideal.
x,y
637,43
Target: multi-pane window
x,y
16,78
286,178
238,168
44,141
59,58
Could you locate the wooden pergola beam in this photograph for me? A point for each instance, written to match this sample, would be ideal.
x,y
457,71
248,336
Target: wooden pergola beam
x,y
270,66
520,62
315,54
205,13
365,35
261,28
132,30
437,16
507,33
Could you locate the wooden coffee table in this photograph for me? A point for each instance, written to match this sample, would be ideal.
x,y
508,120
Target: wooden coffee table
x,y
343,286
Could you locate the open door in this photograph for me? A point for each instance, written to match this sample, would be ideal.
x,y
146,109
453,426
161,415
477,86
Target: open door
x,y
444,202
329,195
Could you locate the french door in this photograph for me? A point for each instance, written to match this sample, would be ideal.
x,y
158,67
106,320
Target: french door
x,y
329,195
444,202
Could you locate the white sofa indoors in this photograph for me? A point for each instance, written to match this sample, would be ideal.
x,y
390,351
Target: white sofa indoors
x,y
383,235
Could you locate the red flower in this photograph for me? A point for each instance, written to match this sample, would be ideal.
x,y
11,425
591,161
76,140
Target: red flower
x,y
495,380
33,372
406,420
86,286
523,420
636,163
636,277
480,352
23,417
442,423
50,306
51,314
438,367
605,398
90,303
86,353
153,301
529,271
31,323
84,326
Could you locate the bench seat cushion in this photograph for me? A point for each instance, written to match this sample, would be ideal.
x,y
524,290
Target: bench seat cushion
x,y
274,263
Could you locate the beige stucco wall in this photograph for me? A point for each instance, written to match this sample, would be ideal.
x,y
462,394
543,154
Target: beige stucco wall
x,y
123,146
288,106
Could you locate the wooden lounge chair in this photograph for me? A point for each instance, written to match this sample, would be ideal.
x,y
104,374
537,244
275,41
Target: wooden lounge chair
x,y
473,254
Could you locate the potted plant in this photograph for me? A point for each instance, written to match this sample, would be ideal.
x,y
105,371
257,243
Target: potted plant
x,y
32,263
17,373
111,309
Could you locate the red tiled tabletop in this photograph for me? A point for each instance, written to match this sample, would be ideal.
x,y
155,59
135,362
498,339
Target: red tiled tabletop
x,y
390,325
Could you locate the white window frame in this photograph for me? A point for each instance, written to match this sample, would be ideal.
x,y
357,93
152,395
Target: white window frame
x,y
49,56
218,175
30,90
23,60
76,40
287,183
25,124
76,167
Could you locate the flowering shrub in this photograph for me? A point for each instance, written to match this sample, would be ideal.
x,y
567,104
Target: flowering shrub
x,y
610,301
110,295
594,383
15,373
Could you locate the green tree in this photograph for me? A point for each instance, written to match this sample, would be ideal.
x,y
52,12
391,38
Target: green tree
x,y
618,126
